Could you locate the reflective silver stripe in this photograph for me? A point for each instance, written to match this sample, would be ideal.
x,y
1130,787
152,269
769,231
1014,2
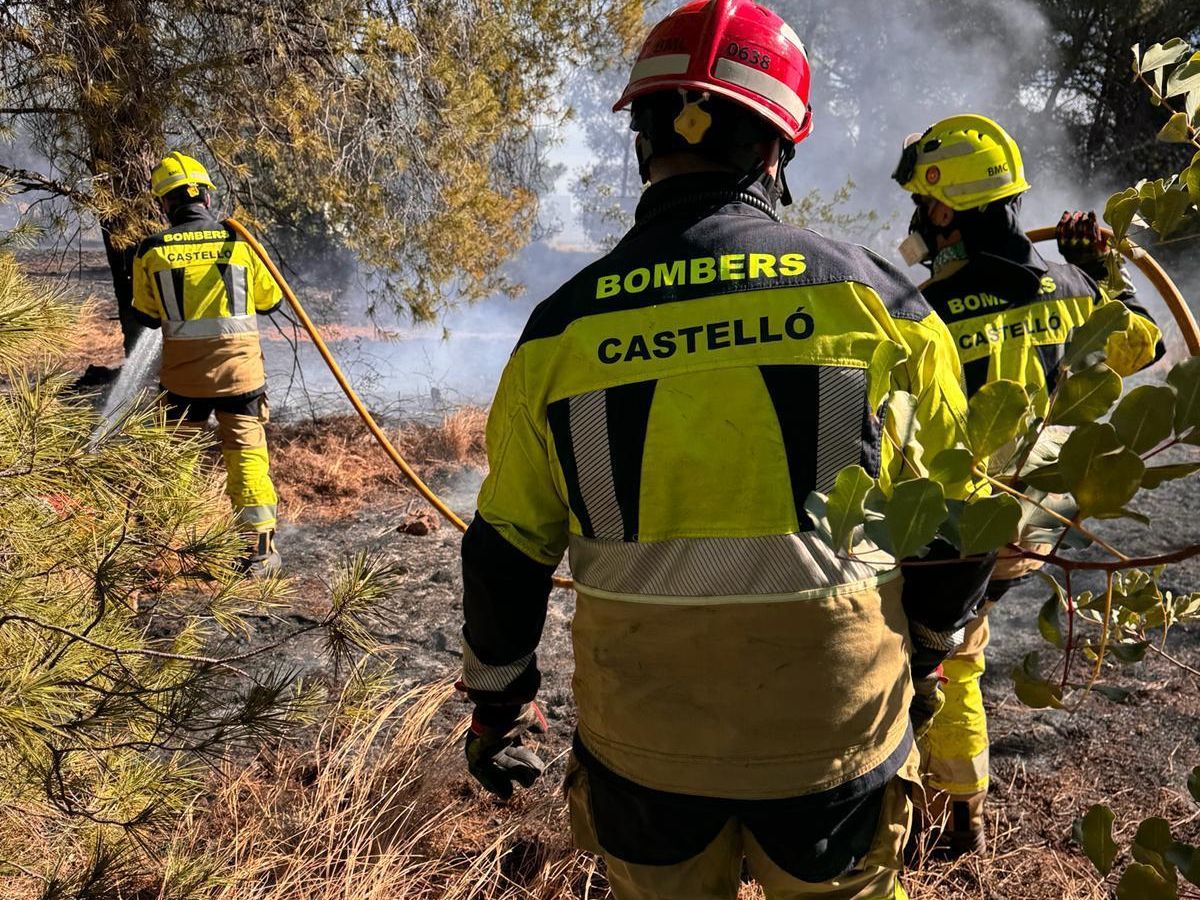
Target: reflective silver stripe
x,y
936,640
480,676
255,515
588,417
945,151
714,567
983,184
170,301
657,66
792,38
204,328
235,287
762,84
841,404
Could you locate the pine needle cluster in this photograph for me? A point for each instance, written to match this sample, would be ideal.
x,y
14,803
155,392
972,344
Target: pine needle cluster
x,y
128,664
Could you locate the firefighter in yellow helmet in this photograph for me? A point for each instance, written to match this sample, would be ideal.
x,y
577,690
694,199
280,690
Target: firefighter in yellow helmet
x,y
743,691
1009,312
205,287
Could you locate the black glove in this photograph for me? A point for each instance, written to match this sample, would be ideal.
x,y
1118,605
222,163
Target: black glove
x,y
927,701
495,756
1081,242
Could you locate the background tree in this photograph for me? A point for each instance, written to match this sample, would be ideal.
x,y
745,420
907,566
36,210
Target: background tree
x,y
402,132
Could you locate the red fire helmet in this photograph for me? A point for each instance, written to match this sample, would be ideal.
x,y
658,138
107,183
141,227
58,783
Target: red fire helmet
x,y
735,48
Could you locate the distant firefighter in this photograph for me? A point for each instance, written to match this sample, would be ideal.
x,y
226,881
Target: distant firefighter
x,y
204,287
747,696
1010,312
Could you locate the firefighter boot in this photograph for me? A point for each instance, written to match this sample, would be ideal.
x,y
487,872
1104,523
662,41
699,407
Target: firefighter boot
x,y
263,557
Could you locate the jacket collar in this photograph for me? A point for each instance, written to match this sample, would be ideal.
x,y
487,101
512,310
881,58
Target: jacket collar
x,y
706,192
191,214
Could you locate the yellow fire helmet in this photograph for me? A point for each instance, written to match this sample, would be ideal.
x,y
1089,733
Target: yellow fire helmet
x,y
174,170
964,161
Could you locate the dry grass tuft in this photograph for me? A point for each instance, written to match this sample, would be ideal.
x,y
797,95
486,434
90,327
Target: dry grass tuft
x,y
327,470
378,810
455,442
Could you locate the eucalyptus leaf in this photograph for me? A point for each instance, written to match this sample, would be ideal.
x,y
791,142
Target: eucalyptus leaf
x,y
1185,859
1185,77
1050,620
1099,472
1031,688
951,467
1191,175
1047,478
1132,652
1112,692
1120,210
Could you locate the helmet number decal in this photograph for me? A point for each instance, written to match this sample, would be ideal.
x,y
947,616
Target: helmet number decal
x,y
748,55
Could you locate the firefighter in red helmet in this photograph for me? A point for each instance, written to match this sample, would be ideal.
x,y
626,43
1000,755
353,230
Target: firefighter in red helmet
x,y
745,692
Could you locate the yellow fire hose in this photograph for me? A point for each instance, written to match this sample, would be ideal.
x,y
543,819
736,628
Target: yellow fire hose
x,y
359,407
1135,254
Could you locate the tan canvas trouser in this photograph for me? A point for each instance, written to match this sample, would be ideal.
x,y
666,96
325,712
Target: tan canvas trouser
x,y
755,698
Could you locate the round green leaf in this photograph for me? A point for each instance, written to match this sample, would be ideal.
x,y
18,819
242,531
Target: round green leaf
x,y
1142,882
995,416
1086,396
1120,210
913,514
1160,55
845,505
1033,690
1087,342
1156,476
1094,833
951,467
1185,378
989,523
1050,615
1047,478
1145,416
1185,859
1176,130
1099,472
1193,784
1185,77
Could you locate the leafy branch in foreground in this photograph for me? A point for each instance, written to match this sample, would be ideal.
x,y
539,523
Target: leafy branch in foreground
x,y
1038,490
129,662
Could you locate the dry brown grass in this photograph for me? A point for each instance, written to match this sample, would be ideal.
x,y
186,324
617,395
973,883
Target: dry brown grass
x,y
383,809
326,471
379,810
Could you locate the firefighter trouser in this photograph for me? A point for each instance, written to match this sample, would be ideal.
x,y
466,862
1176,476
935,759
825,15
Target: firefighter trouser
x,y
244,448
784,844
954,751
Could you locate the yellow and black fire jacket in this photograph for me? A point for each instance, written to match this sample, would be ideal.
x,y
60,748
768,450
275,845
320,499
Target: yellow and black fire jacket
x,y
663,418
205,287
1010,318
